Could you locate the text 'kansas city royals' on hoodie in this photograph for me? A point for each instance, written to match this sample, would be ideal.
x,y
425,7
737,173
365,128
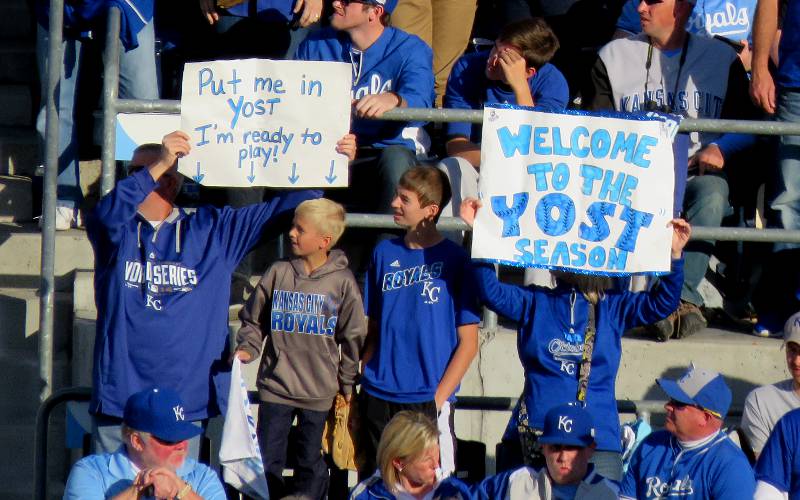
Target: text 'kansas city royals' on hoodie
x,y
305,320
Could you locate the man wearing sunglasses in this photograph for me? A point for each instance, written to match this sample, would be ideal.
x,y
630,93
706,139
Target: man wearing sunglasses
x,y
693,458
153,462
391,69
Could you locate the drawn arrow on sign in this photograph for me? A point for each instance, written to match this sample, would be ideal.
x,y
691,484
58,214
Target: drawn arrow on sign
x,y
330,177
294,177
199,177
251,177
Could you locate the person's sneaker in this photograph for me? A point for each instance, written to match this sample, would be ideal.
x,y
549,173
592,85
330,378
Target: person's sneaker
x,y
664,329
690,320
763,331
66,218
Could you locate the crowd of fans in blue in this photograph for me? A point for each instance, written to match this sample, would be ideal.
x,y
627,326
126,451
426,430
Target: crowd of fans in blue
x,y
392,328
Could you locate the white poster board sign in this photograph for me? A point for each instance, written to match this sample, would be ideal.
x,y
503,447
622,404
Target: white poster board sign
x,y
257,122
135,129
591,194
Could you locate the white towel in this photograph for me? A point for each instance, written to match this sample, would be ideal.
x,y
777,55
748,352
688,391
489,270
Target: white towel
x,y
240,454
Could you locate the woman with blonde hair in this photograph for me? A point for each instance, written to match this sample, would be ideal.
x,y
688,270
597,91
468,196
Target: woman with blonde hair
x,y
408,464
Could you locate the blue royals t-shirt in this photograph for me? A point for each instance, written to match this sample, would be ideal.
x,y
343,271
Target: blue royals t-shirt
x,y
779,462
419,297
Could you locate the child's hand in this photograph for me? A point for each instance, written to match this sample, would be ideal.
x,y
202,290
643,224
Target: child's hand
x,y
681,231
244,356
347,146
469,207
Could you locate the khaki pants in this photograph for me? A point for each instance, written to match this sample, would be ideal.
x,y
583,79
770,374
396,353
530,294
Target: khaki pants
x,y
445,25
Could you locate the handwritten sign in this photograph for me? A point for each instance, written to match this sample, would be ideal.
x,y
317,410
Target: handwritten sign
x,y
258,122
591,194
135,129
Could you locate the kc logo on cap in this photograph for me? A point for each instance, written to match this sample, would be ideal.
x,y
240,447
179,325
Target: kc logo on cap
x,y
568,425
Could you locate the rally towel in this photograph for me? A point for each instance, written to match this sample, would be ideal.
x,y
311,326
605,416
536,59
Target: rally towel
x,y
240,454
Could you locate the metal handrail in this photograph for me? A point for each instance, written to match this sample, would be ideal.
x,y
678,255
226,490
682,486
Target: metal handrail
x,y
40,438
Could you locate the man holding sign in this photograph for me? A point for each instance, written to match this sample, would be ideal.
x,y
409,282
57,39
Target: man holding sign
x,y
669,70
161,287
391,69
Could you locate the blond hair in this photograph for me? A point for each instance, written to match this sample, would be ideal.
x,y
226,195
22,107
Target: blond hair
x,y
430,184
325,215
407,435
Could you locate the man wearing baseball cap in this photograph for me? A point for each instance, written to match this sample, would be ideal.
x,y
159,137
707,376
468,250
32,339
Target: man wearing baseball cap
x,y
568,444
693,458
765,405
391,69
152,461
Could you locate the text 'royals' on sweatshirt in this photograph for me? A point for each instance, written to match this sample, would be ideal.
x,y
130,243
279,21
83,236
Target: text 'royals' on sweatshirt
x,y
551,361
305,320
162,295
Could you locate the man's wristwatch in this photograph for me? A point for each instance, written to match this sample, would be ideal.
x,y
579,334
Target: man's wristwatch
x,y
184,491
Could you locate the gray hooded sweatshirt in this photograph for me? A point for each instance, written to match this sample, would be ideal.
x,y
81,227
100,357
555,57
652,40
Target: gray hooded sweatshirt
x,y
314,327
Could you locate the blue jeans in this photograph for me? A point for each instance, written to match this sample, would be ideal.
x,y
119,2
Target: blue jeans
x,y
138,80
787,201
705,204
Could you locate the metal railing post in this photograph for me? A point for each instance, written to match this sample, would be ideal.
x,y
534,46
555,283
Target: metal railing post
x,y
110,92
55,58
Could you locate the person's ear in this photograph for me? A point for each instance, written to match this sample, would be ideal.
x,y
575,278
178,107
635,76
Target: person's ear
x,y
431,210
136,441
530,72
397,464
326,242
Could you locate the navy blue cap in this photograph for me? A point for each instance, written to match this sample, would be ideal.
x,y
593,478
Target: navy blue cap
x,y
159,411
388,5
568,424
700,387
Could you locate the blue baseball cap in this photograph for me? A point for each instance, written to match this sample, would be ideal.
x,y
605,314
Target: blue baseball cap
x,y
388,5
159,411
568,424
700,387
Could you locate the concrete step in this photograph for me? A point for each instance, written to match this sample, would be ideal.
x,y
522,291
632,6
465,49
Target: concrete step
x,y
20,256
18,59
19,310
15,20
16,198
16,105
19,151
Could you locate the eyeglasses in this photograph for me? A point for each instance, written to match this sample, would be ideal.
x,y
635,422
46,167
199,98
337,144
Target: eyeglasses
x,y
680,405
345,3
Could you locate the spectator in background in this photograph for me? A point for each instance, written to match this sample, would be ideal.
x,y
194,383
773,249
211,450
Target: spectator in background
x,y
780,95
568,444
408,464
730,20
152,460
160,287
85,23
765,405
667,69
693,458
778,467
515,71
391,69
445,25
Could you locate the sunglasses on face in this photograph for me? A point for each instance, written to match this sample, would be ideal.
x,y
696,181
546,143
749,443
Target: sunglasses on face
x,y
345,3
680,405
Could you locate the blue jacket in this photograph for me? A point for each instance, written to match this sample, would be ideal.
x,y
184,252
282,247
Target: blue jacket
x,y
468,88
83,16
779,462
789,48
374,488
517,484
268,10
396,62
551,360
162,296
715,470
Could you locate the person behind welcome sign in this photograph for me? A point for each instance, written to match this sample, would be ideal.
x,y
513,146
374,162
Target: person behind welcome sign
x,y
391,69
162,277
552,345
667,69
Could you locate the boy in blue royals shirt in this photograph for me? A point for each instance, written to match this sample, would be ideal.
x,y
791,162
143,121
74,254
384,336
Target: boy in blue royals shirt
x,y
309,311
423,318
